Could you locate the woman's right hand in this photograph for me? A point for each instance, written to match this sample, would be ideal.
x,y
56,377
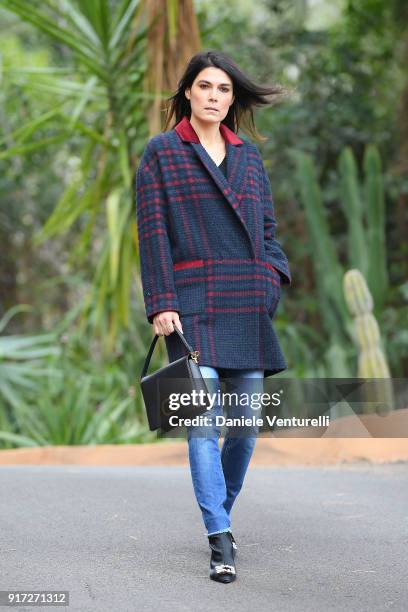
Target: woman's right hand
x,y
164,322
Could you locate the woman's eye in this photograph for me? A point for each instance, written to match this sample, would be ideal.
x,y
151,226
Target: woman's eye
x,y
223,89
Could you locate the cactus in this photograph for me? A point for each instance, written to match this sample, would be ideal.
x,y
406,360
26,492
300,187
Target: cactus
x,y
353,209
358,297
366,220
371,360
375,211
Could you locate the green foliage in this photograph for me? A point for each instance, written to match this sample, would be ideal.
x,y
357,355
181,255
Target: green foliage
x,y
22,361
100,109
328,271
60,390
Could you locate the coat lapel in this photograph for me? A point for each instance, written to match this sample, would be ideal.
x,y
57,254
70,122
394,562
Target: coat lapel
x,y
236,164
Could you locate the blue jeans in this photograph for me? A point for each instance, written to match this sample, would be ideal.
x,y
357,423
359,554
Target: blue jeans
x,y
218,475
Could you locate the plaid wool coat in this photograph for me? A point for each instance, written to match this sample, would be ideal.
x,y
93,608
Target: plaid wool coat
x,y
208,250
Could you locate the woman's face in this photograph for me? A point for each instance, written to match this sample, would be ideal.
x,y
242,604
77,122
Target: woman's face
x,y
213,88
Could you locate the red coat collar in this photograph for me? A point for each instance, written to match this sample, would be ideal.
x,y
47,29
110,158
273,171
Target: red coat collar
x,y
186,132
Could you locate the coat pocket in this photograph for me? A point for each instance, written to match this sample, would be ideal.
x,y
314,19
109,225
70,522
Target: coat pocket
x,y
189,280
273,289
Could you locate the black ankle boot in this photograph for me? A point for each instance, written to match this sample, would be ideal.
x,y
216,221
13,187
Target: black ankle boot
x,y
234,544
222,566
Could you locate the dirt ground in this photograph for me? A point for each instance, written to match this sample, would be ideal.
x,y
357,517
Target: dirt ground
x,y
371,438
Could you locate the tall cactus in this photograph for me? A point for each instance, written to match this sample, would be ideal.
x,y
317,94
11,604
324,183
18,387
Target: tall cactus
x,y
366,220
353,208
371,360
375,213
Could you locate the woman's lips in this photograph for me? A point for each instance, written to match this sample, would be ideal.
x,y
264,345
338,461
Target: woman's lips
x,y
212,109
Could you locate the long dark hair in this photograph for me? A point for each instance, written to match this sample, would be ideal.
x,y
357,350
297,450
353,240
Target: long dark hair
x,y
247,94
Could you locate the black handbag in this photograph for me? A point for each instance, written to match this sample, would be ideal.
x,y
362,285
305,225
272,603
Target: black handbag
x,y
160,388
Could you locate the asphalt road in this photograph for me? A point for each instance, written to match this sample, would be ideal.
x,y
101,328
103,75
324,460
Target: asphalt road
x,y
310,539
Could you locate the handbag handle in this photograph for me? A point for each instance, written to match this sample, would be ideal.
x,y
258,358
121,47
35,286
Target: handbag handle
x,y
194,354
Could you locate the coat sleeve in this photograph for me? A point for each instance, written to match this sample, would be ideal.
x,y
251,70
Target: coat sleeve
x,y
156,264
274,251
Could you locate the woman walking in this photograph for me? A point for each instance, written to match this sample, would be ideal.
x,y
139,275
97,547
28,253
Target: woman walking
x,y
212,267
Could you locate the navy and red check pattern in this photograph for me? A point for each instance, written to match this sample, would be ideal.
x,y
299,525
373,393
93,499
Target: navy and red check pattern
x,y
208,250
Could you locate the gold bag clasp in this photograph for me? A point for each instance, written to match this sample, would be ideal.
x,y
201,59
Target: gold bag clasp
x,y
194,355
